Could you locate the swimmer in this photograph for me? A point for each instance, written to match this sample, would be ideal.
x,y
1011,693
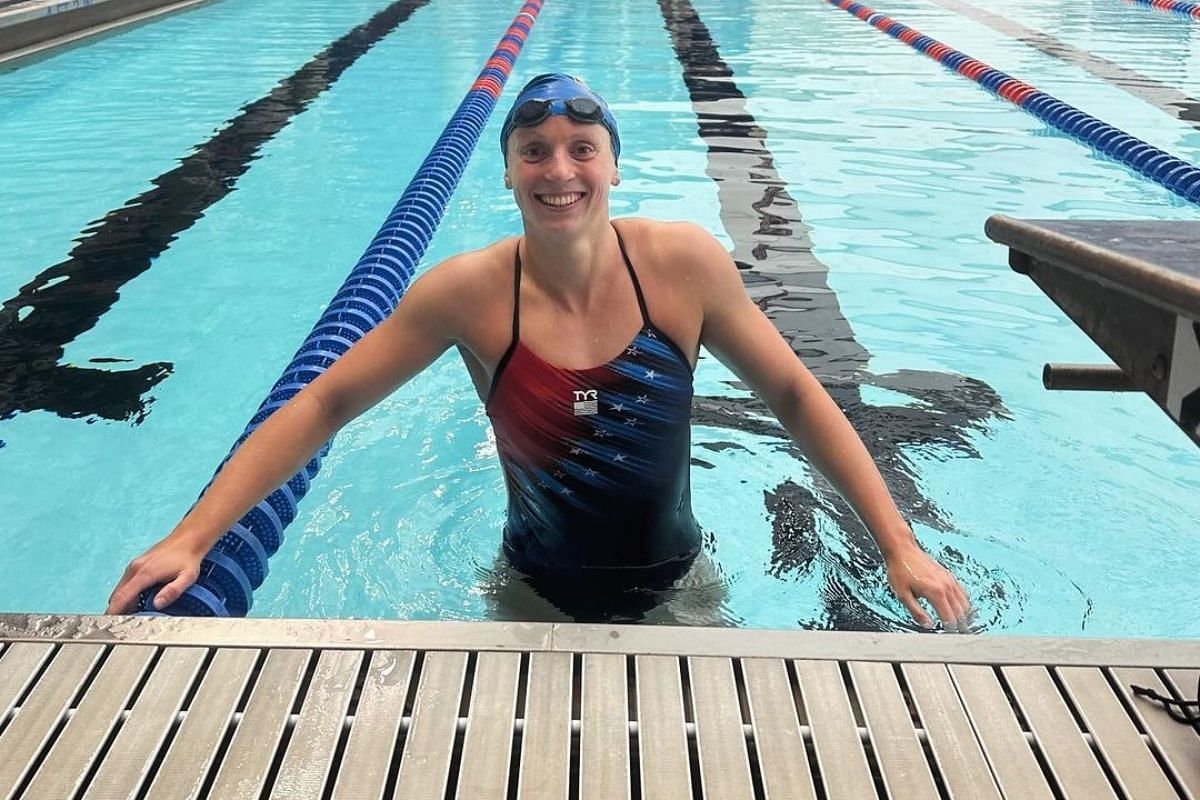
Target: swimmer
x,y
580,336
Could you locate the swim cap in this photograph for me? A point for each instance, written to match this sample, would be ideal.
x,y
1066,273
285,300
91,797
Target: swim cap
x,y
555,86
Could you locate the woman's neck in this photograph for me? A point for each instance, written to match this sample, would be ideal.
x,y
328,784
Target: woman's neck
x,y
569,270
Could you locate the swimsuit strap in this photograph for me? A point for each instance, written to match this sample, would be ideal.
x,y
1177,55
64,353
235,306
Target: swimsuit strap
x,y
516,326
637,286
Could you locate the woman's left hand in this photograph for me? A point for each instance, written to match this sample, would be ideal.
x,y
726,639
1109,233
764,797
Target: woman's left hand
x,y
914,575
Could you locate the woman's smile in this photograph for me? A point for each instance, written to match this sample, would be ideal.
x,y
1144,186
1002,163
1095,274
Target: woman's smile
x,y
559,200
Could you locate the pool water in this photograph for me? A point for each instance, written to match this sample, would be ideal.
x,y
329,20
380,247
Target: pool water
x,y
1061,513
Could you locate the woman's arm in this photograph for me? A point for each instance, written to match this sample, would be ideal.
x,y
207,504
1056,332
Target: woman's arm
x,y
737,332
417,332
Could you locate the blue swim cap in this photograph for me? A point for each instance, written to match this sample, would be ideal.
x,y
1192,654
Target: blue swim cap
x,y
555,88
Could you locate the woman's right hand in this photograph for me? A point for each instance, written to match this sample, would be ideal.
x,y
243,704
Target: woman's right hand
x,y
173,562
421,328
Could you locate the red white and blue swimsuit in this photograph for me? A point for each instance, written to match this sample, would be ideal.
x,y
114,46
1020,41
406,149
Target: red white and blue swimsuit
x,y
597,460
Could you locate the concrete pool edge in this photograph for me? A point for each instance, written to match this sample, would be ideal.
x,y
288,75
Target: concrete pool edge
x,y
36,27
369,634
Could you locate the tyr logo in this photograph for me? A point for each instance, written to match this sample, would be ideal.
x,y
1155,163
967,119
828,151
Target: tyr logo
x,y
586,402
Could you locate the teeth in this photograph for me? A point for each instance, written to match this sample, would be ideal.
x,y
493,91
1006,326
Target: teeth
x,y
560,199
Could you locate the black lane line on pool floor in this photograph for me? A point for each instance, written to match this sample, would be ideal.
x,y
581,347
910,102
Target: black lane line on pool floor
x,y
1162,96
773,250
67,299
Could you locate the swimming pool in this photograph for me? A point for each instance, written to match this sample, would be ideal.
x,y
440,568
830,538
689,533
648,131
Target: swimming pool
x,y
1058,511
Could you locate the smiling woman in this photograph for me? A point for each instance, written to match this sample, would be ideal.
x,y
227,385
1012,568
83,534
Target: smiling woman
x,y
590,398
556,153
191,192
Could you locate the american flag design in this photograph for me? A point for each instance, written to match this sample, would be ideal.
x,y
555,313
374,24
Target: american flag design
x,y
604,489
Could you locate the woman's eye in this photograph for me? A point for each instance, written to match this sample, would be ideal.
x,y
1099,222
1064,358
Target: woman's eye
x,y
532,153
584,150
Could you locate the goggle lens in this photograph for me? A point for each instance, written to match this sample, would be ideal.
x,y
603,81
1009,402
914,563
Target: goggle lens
x,y
584,109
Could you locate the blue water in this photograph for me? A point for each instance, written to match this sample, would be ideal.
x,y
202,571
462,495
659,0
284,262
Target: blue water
x,y
1061,525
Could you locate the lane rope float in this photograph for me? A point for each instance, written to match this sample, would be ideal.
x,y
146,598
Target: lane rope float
x,y
1171,172
237,564
1171,7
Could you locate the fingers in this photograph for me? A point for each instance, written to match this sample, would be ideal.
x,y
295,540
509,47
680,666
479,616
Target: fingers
x,y
966,612
915,610
144,573
917,577
171,592
122,599
115,599
952,605
945,605
939,588
125,596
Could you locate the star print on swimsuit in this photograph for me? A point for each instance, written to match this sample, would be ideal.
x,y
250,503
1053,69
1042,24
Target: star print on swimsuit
x,y
596,458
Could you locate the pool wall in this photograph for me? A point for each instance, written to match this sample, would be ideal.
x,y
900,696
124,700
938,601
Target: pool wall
x,y
31,28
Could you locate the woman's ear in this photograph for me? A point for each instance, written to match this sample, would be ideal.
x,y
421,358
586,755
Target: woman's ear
x,y
507,182
616,179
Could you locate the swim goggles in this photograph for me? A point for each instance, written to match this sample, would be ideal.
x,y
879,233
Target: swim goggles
x,y
580,109
555,93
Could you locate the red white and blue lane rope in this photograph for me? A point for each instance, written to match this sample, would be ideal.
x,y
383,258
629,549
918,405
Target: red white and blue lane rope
x,y
238,563
1177,175
1171,7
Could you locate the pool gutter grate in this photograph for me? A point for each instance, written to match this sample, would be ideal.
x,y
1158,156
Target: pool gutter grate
x,y
770,711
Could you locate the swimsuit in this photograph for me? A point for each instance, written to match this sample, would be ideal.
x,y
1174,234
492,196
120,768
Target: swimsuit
x,y
597,461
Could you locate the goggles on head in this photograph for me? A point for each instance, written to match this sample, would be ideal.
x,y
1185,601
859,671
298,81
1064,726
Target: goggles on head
x,y
534,112
558,94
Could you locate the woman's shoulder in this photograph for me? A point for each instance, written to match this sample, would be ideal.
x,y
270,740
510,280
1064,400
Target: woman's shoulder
x,y
670,245
474,271
659,229
463,288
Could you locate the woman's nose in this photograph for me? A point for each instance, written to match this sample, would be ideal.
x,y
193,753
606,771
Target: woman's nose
x,y
559,165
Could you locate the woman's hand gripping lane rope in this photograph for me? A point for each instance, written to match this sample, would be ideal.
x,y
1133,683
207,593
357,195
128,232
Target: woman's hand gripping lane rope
x,y
174,562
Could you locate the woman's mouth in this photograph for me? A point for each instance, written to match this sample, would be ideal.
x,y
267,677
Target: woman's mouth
x,y
562,200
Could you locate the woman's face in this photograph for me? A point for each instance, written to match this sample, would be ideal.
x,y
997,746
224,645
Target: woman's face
x,y
560,172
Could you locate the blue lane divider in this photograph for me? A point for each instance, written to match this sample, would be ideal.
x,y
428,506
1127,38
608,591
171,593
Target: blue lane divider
x,y
1171,7
1179,176
237,564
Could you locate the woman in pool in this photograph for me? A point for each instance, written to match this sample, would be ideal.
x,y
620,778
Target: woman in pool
x,y
580,337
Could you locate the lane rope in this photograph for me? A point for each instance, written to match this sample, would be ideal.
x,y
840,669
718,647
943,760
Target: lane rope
x,y
1177,7
237,564
1173,173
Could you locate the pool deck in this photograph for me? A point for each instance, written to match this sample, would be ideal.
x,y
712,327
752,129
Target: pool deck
x,y
108,707
1133,287
31,28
